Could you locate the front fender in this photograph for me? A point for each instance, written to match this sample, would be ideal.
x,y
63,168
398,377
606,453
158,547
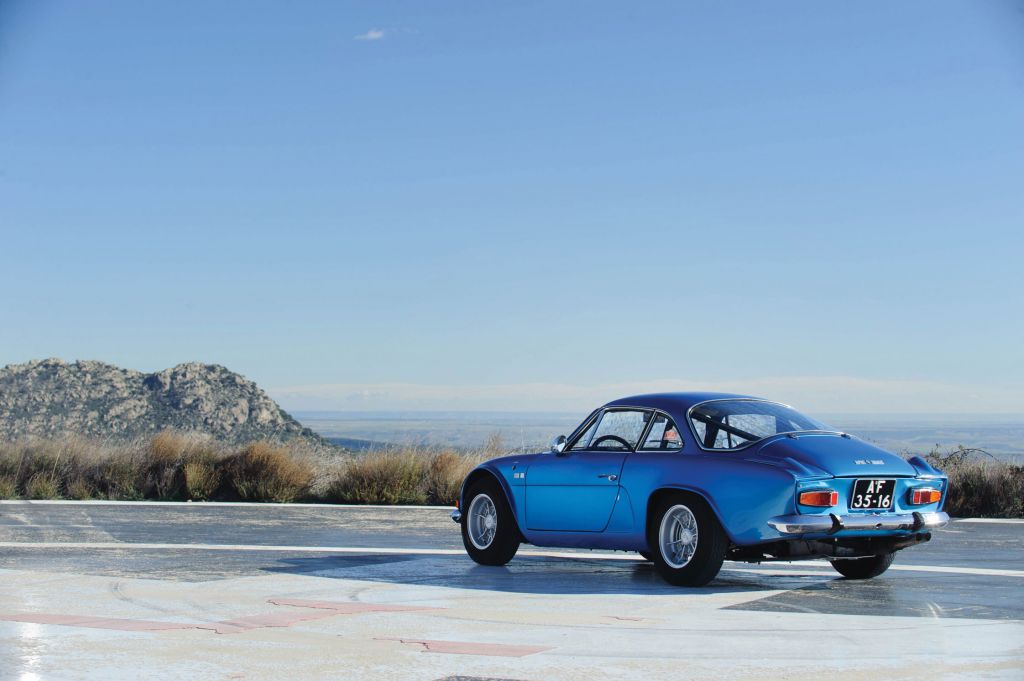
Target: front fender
x,y
501,471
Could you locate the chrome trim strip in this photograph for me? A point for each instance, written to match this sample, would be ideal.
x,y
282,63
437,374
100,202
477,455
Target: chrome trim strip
x,y
831,523
456,515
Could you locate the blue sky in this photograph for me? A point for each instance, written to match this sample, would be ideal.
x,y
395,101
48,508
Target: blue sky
x,y
522,205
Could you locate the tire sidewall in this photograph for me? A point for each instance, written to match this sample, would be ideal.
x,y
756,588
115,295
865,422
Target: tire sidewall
x,y
710,552
864,568
506,535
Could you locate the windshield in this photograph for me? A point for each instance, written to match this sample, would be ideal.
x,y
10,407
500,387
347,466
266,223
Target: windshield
x,y
731,424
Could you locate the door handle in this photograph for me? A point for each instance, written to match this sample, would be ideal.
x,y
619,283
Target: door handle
x,y
611,476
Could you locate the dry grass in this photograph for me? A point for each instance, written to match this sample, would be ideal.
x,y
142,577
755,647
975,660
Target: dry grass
x,y
8,487
267,472
202,476
187,466
160,474
445,472
389,477
979,485
402,476
80,488
43,486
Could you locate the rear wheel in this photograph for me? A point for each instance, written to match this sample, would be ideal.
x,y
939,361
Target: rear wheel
x,y
863,568
489,530
688,541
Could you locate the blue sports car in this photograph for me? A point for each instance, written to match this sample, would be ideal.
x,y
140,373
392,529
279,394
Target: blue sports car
x,y
689,480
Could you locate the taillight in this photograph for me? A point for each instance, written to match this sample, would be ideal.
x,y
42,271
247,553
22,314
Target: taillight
x,y
819,497
925,495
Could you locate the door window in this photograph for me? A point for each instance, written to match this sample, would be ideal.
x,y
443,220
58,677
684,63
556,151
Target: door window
x,y
615,430
583,441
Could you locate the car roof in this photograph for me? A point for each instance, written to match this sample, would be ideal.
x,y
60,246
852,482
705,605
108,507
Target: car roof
x,y
674,402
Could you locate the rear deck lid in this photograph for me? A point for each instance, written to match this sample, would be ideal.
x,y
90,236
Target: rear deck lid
x,y
841,456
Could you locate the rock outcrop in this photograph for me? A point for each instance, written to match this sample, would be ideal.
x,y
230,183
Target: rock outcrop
x,y
50,397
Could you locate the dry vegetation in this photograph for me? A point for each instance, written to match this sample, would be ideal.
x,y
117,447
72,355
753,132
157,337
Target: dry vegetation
x,y
174,466
979,485
181,467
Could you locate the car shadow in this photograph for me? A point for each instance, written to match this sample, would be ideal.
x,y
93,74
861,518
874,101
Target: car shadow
x,y
895,594
525,574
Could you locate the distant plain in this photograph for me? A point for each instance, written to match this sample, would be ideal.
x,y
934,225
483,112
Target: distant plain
x,y
1000,435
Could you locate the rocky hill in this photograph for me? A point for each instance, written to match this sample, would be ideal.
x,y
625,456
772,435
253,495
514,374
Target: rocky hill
x,y
51,397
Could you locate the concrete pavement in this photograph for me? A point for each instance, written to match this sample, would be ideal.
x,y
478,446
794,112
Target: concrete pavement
x,y
211,591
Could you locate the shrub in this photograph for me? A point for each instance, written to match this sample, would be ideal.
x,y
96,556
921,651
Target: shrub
x,y
388,477
42,485
979,485
161,476
494,446
39,462
119,476
985,489
202,477
267,472
80,488
445,472
8,487
10,461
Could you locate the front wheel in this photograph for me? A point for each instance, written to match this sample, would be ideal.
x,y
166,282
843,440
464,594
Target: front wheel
x,y
863,568
489,530
687,540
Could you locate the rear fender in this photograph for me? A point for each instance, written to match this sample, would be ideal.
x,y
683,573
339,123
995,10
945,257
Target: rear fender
x,y
742,497
659,494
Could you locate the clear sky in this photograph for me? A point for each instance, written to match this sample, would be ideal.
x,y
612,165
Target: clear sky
x,y
522,205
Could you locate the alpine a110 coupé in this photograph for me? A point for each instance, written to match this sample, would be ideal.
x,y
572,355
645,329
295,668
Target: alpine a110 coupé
x,y
689,480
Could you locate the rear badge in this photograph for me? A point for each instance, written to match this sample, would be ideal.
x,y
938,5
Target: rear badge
x,y
869,462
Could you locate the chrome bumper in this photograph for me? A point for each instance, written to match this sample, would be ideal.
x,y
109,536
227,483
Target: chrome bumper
x,y
456,515
832,523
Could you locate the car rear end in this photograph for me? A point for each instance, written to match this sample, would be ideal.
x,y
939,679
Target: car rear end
x,y
867,504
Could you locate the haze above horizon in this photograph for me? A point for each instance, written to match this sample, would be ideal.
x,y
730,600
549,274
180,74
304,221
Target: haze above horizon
x,y
522,206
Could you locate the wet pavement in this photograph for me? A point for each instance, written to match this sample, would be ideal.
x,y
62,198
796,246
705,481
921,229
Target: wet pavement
x,y
93,590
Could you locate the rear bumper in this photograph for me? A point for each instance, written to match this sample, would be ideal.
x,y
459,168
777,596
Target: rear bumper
x,y
832,523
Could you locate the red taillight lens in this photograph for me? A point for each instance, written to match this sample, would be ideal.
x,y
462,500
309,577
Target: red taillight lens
x,y
924,495
819,497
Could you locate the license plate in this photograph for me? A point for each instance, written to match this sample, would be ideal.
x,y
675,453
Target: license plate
x,y
872,494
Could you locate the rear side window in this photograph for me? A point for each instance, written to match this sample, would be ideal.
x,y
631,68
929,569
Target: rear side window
x,y
663,435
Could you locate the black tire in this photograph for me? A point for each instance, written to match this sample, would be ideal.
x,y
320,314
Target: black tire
x,y
711,540
647,555
505,541
863,568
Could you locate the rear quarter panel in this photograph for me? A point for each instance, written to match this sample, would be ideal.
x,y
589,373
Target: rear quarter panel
x,y
743,494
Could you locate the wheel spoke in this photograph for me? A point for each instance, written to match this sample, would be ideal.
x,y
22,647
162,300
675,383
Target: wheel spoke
x,y
483,521
678,536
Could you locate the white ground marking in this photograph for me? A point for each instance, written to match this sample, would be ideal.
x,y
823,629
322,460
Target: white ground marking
x,y
774,567
205,504
235,504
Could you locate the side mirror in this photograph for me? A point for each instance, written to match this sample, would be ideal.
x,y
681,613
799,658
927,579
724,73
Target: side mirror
x,y
558,445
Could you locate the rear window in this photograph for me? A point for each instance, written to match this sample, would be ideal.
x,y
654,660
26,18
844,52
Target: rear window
x,y
732,424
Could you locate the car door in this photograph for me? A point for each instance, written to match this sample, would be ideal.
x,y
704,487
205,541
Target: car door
x,y
575,491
